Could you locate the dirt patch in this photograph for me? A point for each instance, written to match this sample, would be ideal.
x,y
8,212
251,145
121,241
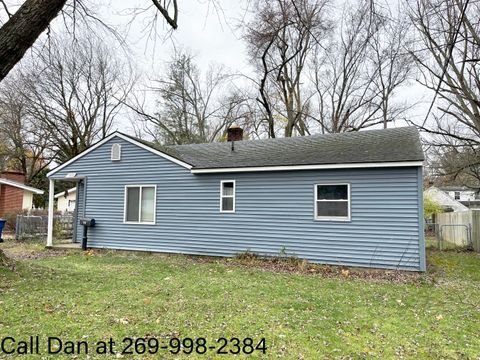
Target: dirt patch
x,y
29,251
299,266
35,254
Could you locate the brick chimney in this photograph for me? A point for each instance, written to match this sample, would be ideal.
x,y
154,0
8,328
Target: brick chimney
x,y
234,133
13,175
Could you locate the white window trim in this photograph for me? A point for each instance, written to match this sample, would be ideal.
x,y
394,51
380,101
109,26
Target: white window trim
x,y
228,196
139,222
331,218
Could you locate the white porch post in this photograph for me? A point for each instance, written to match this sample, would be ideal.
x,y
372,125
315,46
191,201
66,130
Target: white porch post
x,y
51,190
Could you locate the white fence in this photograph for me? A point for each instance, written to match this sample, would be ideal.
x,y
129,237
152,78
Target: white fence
x,y
460,228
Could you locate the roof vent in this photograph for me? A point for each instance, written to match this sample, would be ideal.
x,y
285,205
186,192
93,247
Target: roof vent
x,y
116,154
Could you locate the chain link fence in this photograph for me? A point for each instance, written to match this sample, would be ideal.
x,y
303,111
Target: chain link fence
x,y
34,227
448,236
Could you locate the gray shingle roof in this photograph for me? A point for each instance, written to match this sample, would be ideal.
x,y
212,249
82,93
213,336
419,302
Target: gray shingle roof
x,y
386,145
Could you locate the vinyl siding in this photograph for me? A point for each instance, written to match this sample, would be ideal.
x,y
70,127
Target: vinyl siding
x,y
27,202
274,211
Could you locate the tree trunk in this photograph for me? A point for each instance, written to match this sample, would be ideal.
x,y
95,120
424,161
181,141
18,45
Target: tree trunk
x,y
19,33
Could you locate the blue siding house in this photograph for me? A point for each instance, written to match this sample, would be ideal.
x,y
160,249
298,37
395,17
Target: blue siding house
x,y
351,199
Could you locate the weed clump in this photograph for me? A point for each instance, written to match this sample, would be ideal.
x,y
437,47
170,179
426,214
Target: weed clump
x,y
5,262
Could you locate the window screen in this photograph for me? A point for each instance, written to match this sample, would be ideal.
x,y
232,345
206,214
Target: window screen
x,y
227,196
148,200
332,201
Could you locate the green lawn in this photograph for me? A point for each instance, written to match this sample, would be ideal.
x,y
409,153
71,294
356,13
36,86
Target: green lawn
x,y
301,315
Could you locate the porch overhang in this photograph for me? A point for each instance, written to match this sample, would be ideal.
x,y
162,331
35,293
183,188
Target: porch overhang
x,y
51,202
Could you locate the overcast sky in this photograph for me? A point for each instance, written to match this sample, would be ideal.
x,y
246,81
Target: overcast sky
x,y
212,34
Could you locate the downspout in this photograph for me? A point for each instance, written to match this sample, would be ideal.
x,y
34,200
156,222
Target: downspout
x,y
51,188
79,179
75,213
84,195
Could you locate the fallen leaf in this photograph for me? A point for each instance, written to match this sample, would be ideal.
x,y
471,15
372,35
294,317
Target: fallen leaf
x,y
123,321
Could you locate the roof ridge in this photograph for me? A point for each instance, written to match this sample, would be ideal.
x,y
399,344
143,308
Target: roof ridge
x,y
305,137
372,146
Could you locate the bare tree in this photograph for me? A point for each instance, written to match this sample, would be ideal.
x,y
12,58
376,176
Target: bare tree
x,y
366,62
391,63
21,30
191,107
448,54
75,91
281,38
33,17
26,141
448,57
318,74
454,165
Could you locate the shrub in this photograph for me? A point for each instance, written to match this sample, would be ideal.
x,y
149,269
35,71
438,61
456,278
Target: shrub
x,y
430,207
5,262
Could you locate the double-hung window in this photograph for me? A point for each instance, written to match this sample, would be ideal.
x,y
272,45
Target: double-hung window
x,y
140,202
227,196
332,202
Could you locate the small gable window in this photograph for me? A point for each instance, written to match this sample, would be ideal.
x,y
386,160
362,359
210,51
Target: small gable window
x,y
227,196
332,202
116,153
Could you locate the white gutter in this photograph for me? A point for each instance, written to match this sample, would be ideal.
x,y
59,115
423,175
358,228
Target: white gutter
x,y
69,191
21,186
308,167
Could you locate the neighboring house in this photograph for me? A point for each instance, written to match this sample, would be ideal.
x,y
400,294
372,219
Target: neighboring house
x,y
467,196
66,200
351,199
14,194
461,193
442,198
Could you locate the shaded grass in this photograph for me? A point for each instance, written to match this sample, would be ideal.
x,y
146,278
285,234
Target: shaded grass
x,y
111,294
431,243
